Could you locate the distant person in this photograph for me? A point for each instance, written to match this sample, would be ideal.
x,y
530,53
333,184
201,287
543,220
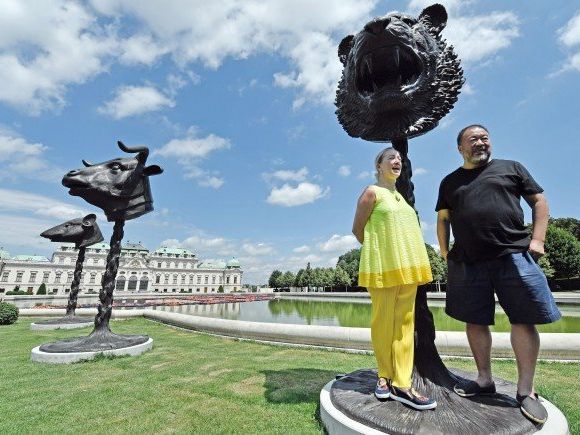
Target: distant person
x,y
393,262
493,251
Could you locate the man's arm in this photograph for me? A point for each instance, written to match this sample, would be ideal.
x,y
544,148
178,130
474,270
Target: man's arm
x,y
364,208
443,231
540,214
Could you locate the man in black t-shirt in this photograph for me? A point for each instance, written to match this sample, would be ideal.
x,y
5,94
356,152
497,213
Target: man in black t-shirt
x,y
493,252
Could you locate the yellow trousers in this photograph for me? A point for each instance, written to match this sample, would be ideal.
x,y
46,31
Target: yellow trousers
x,y
392,332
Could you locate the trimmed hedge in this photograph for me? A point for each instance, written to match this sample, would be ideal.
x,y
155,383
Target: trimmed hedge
x,y
17,293
8,313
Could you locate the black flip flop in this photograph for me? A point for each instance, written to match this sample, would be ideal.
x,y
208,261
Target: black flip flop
x,y
468,388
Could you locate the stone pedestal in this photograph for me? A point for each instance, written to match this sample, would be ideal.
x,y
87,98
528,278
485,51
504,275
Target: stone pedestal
x,y
67,322
348,406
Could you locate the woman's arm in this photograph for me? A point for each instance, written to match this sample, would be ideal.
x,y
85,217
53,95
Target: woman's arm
x,y
364,207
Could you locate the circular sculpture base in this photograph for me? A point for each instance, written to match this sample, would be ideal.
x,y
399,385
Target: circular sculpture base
x,y
39,355
66,322
348,406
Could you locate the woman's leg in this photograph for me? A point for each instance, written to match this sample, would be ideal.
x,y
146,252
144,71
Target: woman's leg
x,y
403,345
383,315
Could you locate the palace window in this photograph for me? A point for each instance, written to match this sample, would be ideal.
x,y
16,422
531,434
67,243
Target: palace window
x,y
199,279
32,277
19,276
5,276
57,277
213,279
92,279
235,279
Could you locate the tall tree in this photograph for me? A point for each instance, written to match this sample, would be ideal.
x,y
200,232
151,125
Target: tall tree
x,y
341,278
568,224
287,280
349,263
274,280
564,252
298,279
438,264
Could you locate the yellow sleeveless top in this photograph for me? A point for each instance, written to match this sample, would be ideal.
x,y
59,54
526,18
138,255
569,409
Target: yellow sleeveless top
x,y
393,252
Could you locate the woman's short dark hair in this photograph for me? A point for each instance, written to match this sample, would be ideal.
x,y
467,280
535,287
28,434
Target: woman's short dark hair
x,y
464,129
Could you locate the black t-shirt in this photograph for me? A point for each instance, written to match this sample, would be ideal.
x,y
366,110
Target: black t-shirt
x,y
485,212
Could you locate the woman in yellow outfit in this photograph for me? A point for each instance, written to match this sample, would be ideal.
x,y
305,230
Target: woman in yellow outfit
x,y
393,263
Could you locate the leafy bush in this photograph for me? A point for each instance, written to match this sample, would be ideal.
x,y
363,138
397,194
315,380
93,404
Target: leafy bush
x,y
8,313
42,289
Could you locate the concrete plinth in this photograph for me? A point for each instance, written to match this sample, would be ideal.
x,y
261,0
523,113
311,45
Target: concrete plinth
x,y
348,406
71,357
47,326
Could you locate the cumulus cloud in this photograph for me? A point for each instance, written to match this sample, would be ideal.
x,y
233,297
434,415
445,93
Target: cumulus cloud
x,y
140,49
338,243
301,249
344,171
204,246
46,49
135,100
569,36
190,150
419,171
257,248
20,158
476,38
365,175
20,201
304,193
287,175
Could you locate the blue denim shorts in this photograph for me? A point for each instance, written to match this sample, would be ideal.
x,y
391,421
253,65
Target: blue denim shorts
x,y
521,287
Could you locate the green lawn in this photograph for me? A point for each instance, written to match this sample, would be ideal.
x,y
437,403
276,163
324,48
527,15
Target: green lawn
x,y
194,383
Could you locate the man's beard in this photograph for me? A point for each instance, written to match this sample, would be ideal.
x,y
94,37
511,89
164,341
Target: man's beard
x,y
480,158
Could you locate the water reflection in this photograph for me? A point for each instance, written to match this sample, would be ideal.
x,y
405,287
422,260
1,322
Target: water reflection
x,y
347,314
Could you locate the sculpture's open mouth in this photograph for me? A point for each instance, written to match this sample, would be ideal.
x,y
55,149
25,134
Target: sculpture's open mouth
x,y
388,69
74,184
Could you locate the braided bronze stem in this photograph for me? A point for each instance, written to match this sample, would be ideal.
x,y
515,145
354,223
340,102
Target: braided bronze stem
x,y
105,307
74,288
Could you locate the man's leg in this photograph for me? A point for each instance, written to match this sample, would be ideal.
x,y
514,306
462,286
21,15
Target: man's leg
x,y
479,339
526,345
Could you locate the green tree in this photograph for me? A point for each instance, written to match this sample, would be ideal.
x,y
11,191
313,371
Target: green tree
x,y
544,263
341,278
298,278
221,289
438,264
569,224
349,263
327,277
273,281
287,280
564,252
41,290
307,277
317,277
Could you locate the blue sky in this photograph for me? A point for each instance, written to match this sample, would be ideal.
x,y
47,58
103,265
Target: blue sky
x,y
235,100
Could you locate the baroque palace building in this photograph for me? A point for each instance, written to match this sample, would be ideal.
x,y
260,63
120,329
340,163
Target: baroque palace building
x,y
165,270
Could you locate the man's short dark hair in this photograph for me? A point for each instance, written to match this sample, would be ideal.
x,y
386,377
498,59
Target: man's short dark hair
x,y
464,129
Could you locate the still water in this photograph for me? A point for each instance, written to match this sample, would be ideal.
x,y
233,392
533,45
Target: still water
x,y
354,314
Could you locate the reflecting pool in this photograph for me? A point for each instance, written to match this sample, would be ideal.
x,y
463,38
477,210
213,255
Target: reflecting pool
x,y
353,314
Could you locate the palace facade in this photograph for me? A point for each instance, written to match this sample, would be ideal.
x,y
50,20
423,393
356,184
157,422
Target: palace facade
x,y
165,270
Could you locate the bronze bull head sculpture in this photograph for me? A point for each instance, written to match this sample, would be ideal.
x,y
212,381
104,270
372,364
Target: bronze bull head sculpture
x,y
120,187
81,231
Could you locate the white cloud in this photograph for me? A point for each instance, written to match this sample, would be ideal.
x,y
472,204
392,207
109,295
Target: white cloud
x,y
19,201
304,193
339,243
24,231
45,49
570,33
189,151
419,171
344,171
476,38
365,175
20,158
204,246
193,147
288,175
301,249
140,49
569,36
257,248
298,30
135,100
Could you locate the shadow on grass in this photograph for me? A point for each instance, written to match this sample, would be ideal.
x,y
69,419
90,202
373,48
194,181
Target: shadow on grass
x,y
297,386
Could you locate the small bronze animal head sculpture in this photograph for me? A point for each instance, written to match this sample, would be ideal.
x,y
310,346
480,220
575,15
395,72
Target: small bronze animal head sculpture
x,y
399,78
120,186
82,232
